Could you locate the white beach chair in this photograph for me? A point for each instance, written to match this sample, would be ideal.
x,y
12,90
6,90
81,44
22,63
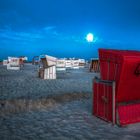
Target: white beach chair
x,y
61,65
82,63
75,64
48,71
68,63
5,62
13,63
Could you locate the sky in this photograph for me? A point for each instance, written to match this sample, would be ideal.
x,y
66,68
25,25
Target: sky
x,y
59,27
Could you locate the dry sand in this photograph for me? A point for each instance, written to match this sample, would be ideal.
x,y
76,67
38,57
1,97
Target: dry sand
x,y
32,108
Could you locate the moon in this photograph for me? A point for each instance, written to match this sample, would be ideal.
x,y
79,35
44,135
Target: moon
x,y
90,37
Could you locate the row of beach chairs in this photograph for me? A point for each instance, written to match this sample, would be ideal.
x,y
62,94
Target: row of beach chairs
x,y
49,65
14,63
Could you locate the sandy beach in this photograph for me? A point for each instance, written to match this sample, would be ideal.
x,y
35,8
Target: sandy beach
x,y
61,109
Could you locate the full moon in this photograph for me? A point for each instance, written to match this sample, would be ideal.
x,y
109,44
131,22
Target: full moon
x,y
90,37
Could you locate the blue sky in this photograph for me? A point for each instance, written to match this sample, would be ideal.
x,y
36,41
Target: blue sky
x,y
59,27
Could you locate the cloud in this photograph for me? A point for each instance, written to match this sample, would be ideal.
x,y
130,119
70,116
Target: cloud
x,y
52,32
49,28
9,34
45,33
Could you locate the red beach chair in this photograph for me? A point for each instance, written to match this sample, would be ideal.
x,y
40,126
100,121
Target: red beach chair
x,y
117,94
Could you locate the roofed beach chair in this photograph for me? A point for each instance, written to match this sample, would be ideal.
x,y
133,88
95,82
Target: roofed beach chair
x,y
82,63
48,69
68,63
5,62
94,65
75,64
13,63
61,65
116,96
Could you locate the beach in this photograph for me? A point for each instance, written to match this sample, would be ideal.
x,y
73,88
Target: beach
x,y
61,109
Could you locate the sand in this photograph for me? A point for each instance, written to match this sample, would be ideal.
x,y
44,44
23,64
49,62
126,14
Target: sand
x,y
26,84
61,109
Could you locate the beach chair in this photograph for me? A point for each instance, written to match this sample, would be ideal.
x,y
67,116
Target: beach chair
x,y
5,62
23,59
94,65
68,64
13,63
61,65
82,63
48,69
75,64
116,96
